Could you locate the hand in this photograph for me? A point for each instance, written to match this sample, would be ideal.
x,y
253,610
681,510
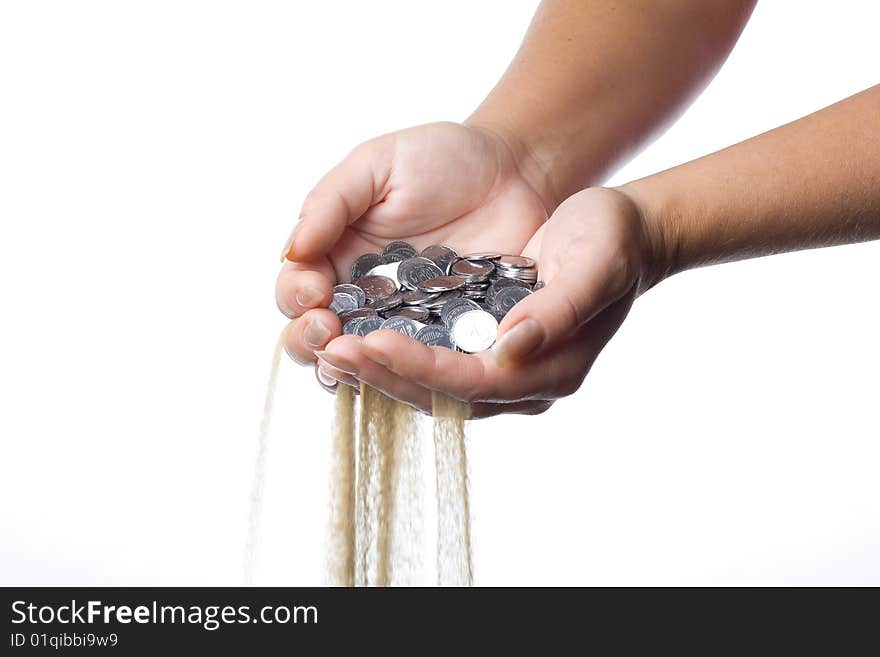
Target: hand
x,y
595,255
441,183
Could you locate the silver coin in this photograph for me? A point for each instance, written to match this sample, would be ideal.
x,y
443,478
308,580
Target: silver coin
x,y
389,258
354,291
350,327
519,275
413,271
474,331
472,270
434,336
386,303
363,264
441,300
376,287
388,270
401,324
455,307
441,284
486,255
414,297
353,314
368,325
403,249
442,256
500,283
343,303
508,297
416,313
497,314
515,262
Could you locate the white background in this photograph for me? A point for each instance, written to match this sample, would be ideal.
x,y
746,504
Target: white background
x,y
152,159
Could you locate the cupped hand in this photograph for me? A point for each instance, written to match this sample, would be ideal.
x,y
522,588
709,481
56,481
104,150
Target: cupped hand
x,y
595,255
441,183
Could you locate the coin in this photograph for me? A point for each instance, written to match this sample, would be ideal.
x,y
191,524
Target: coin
x,y
376,287
399,250
343,302
354,291
416,313
386,303
472,270
434,336
508,297
401,324
441,300
497,285
368,325
363,264
435,296
442,256
350,327
474,331
413,271
353,314
486,255
497,314
414,297
454,308
441,284
388,270
514,261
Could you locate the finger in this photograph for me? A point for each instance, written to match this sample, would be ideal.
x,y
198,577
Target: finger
x,y
327,374
475,378
328,383
345,193
311,333
346,354
299,289
466,377
481,411
568,301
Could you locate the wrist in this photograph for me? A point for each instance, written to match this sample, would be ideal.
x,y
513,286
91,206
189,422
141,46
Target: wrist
x,y
529,165
661,235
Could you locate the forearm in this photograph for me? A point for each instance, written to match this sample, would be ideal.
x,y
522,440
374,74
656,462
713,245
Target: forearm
x,y
814,182
595,79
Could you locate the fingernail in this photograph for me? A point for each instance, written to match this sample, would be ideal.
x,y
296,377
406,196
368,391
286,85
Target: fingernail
x,y
325,378
308,296
339,375
374,354
337,361
316,334
518,342
288,245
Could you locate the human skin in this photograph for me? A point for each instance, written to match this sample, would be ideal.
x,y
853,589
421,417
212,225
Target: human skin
x,y
577,100
812,183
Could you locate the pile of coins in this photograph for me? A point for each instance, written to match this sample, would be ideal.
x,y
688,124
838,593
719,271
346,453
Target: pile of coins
x,y
436,296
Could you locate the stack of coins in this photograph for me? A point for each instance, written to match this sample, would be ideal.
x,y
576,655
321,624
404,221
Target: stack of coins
x,y
436,296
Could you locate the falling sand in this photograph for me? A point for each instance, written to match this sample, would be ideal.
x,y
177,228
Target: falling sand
x,y
377,492
383,546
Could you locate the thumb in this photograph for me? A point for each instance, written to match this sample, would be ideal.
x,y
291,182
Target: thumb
x,y
579,283
344,194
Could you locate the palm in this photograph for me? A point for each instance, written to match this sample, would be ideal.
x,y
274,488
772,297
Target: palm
x,y
448,184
